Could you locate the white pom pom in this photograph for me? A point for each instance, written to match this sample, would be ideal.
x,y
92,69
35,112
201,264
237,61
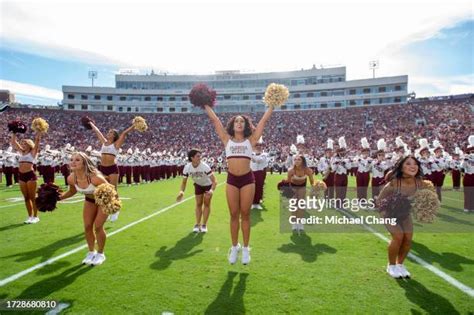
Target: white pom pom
x,y
342,142
68,145
47,147
364,143
293,149
399,142
330,144
437,144
89,148
423,143
299,139
381,145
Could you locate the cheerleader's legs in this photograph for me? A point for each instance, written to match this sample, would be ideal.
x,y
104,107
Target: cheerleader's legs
x,y
240,202
400,245
94,220
28,189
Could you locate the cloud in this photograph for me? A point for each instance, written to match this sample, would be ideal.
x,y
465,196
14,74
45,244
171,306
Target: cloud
x,y
30,90
186,37
448,85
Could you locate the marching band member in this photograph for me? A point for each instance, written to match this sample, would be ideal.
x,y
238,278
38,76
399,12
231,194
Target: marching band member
x,y
324,167
204,186
424,158
455,167
438,167
379,168
341,165
362,163
467,166
258,165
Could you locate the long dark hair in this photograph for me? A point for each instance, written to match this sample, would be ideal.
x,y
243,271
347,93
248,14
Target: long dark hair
x,y
116,134
397,171
248,130
303,159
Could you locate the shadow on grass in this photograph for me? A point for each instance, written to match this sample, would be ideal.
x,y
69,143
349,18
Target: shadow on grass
x,y
11,226
454,220
450,261
302,245
48,286
228,301
430,302
181,250
49,250
256,215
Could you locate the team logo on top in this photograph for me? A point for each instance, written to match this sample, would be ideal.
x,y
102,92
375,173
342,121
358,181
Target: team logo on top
x,y
238,149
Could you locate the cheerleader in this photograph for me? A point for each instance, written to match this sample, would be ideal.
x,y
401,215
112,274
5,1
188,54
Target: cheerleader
x,y
467,166
85,178
8,164
204,186
405,179
297,177
111,143
26,176
362,164
239,137
258,165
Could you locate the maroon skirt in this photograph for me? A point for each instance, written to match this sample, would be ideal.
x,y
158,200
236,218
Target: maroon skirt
x,y
109,170
26,177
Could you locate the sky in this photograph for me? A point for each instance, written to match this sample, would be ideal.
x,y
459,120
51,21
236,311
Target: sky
x,y
47,44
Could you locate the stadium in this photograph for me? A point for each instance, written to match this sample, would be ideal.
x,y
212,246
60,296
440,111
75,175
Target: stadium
x,y
274,191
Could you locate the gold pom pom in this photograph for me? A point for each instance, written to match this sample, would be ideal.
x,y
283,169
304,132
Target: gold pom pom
x,y
427,184
276,95
319,187
425,205
107,199
140,124
39,125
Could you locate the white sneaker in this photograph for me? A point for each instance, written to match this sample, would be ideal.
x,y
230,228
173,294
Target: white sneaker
x,y
259,207
254,206
28,221
114,217
403,271
301,227
89,258
233,253
34,220
294,227
465,210
204,228
392,270
245,255
196,228
98,259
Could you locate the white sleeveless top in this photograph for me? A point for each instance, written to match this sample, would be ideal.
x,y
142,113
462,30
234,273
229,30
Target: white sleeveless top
x,y
238,149
27,158
109,149
89,190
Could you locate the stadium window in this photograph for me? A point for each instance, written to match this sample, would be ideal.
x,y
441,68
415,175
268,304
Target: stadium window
x,y
324,105
129,109
172,98
352,103
380,100
245,97
366,102
337,105
297,107
147,98
398,99
382,89
97,97
109,97
159,98
366,90
123,98
284,107
84,107
83,97
159,109
184,98
310,94
70,106
184,110
352,92
324,93
110,107
137,109
227,97
172,110
398,88
258,97
70,96
296,95
120,109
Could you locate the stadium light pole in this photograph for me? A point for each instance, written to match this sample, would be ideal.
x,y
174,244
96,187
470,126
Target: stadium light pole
x,y
92,76
374,64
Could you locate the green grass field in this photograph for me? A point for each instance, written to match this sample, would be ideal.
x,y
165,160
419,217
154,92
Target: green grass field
x,y
158,266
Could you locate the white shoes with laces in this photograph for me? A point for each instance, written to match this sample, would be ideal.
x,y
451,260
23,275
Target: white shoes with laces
x,y
233,254
393,271
403,271
98,259
89,258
